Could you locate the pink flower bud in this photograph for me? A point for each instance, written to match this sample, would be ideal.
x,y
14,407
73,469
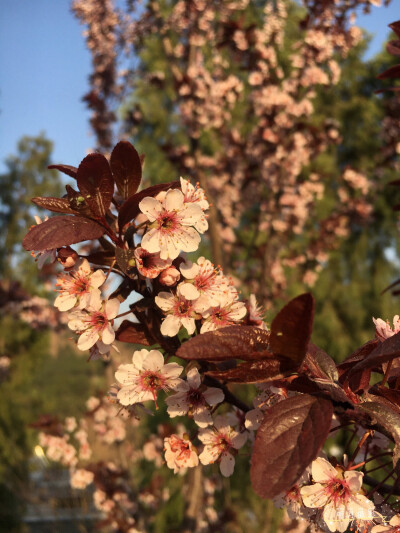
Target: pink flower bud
x,y
67,257
170,276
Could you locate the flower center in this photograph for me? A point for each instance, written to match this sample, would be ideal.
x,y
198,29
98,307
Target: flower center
x,y
195,397
183,307
167,222
98,321
338,490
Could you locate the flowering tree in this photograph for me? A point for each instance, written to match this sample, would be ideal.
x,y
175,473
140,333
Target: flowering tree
x,y
202,351
240,84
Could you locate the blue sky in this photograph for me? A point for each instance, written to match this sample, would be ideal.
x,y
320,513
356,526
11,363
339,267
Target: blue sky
x,y
44,69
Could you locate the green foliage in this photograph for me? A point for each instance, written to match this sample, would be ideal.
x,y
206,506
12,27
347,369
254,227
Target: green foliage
x,y
27,176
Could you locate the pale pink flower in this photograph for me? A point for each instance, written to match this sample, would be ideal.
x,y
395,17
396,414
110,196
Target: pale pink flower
x,y
180,453
79,287
192,397
338,492
150,265
146,376
220,443
204,281
292,500
392,527
173,224
384,330
255,313
41,257
170,276
95,324
227,313
81,478
180,312
70,424
194,194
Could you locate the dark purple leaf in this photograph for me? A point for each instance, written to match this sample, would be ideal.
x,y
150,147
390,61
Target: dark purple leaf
x,y
126,261
127,168
130,208
392,72
318,387
291,328
133,333
96,183
393,47
385,415
385,351
395,26
77,201
255,371
57,205
233,342
102,257
319,364
65,169
61,231
288,440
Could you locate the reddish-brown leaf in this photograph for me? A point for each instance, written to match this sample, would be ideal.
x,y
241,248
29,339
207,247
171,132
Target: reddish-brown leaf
x,y
288,440
395,26
133,333
65,169
130,208
127,168
393,47
255,371
385,351
61,231
291,328
319,364
96,183
57,205
233,342
102,257
392,72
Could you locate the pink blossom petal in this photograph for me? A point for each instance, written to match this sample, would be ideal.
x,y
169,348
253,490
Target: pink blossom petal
x,y
111,308
126,374
173,200
154,361
189,324
108,335
88,339
165,301
227,464
238,440
65,301
337,518
354,480
172,370
150,207
194,378
190,214
171,326
151,241
97,279
213,396
189,270
322,470
314,495
189,291
202,416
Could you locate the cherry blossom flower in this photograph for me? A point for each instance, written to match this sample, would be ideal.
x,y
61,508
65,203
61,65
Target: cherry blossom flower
x,y
81,478
41,257
338,492
384,330
204,281
94,324
194,194
392,527
170,276
255,313
221,442
180,312
173,224
227,313
150,265
192,397
292,500
180,453
79,287
145,377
